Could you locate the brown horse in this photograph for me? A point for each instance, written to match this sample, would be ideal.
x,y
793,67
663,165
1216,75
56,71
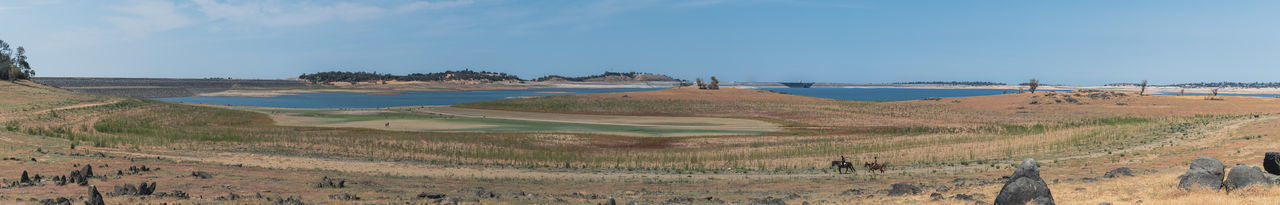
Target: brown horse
x,y
841,166
873,166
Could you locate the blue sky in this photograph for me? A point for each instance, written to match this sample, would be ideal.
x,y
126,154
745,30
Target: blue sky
x,y
1071,42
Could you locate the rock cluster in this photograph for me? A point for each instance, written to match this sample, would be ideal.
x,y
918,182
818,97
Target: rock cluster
x,y
327,182
141,190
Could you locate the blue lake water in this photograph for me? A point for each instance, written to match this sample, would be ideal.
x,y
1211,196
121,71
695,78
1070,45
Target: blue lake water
x,y
874,94
364,100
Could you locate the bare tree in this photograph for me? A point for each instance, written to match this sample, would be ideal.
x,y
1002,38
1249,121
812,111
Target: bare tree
x,y
1144,88
1031,86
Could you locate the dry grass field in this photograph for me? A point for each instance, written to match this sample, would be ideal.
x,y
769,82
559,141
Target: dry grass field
x,y
962,144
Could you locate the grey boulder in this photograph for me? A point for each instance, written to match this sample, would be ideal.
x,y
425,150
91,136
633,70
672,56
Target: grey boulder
x,y
1025,186
1205,173
1242,176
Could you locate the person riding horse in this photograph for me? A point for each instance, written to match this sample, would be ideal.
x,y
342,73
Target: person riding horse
x,y
873,166
842,165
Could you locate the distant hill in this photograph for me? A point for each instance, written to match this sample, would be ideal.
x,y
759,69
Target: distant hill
x,y
462,75
969,83
609,77
1230,85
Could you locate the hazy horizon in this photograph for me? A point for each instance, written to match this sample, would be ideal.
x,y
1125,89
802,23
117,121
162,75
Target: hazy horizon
x,y
1073,43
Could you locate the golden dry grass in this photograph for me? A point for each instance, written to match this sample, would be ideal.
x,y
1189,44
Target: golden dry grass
x,y
924,141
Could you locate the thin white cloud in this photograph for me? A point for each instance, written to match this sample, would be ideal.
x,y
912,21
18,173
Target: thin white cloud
x,y
432,5
145,17
276,14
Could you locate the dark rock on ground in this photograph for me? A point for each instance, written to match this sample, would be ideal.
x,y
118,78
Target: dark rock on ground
x,y
25,179
431,195
1025,186
344,197
936,196
201,174
143,189
767,201
482,193
904,189
852,192
1272,162
229,196
58,201
175,194
1243,176
327,182
964,197
610,202
1119,172
1205,173
95,198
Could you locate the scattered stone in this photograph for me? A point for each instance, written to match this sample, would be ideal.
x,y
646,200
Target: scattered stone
x,y
936,196
610,202
1105,203
127,189
201,174
963,197
1025,186
1205,173
1119,172
482,193
768,201
852,192
904,189
344,197
327,182
230,196
58,201
95,198
1087,179
431,195
1243,176
1272,163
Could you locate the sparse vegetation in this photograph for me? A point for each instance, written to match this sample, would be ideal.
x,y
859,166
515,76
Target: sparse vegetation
x,y
1032,85
1144,88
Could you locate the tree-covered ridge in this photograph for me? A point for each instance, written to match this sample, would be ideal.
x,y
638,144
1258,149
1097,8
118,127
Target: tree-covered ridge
x,y
13,63
969,83
462,75
610,76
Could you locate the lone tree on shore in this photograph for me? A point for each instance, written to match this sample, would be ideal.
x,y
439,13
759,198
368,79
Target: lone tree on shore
x,y
1144,88
701,86
715,84
14,65
1031,86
